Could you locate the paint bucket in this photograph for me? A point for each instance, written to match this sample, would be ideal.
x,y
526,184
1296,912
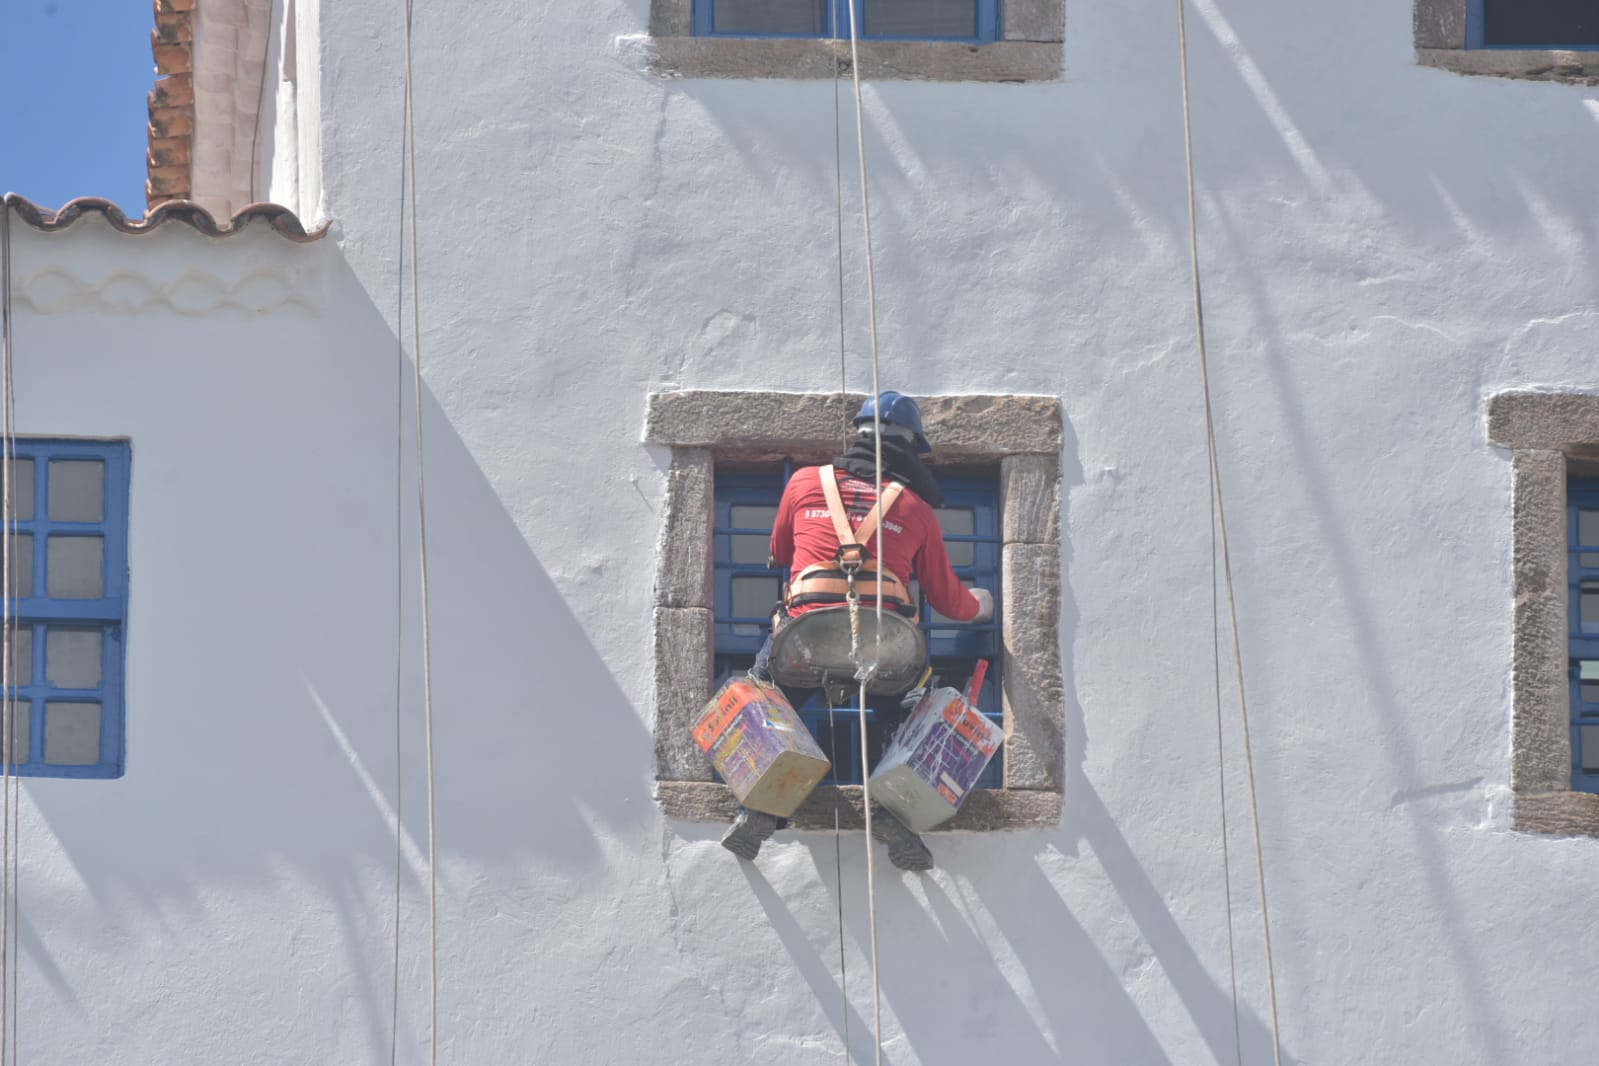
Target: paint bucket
x,y
934,759
760,746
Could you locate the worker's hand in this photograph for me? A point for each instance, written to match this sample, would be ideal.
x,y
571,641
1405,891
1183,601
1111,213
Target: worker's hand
x,y
985,605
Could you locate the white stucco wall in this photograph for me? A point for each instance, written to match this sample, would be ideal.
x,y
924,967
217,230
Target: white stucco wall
x,y
1384,246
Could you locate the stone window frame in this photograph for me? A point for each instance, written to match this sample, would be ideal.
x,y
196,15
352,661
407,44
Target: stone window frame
x,y
1031,48
1551,436
1440,32
1022,434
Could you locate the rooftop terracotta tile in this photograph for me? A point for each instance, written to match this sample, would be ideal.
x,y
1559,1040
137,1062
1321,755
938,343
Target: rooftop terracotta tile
x,y
279,218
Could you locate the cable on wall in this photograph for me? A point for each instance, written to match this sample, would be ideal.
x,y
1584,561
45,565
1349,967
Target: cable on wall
x,y
402,361
1219,522
422,534
7,624
10,780
882,534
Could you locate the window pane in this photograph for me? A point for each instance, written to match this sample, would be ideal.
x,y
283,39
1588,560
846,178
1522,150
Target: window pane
x,y
77,490
751,549
1588,536
21,730
802,17
754,597
957,522
71,733
21,648
72,658
1590,692
22,565
1530,23
22,489
73,568
1590,749
918,18
753,516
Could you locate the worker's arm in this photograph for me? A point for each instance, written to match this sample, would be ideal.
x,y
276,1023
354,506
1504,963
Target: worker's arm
x,y
783,526
944,590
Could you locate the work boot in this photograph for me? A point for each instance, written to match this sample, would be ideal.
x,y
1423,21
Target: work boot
x,y
749,830
905,848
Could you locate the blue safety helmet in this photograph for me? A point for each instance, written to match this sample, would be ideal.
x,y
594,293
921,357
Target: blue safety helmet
x,y
896,409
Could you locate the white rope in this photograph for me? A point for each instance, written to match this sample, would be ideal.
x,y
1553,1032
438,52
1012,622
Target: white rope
x,y
400,364
1220,522
7,623
422,535
877,430
844,427
11,760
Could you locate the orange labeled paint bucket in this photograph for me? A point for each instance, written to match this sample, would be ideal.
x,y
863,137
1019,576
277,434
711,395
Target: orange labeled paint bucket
x,y
760,747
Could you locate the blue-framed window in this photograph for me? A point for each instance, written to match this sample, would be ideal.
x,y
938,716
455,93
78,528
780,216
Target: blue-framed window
x,y
746,591
1582,578
973,21
1532,24
69,610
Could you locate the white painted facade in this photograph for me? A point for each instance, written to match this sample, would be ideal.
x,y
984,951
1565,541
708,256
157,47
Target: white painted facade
x,y
1384,247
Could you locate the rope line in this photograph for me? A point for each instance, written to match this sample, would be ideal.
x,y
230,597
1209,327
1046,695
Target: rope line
x,y
422,544
1219,520
400,364
838,865
838,197
877,430
8,623
1221,780
844,429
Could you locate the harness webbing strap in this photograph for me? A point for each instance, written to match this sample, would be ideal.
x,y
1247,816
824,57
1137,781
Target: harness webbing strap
x,y
835,508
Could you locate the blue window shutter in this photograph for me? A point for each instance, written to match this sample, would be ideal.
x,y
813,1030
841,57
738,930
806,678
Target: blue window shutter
x,y
766,18
64,680
1532,24
1582,541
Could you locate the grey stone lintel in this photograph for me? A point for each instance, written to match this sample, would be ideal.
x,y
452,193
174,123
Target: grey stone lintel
x,y
751,423
1547,432
1571,68
683,575
683,659
1022,434
1540,723
1562,421
1440,35
985,810
1440,24
1034,691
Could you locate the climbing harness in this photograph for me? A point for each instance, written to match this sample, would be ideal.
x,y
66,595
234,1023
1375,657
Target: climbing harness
x,y
1219,523
839,581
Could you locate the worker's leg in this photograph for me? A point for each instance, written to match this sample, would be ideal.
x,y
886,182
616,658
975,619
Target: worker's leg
x,y
762,670
749,831
906,849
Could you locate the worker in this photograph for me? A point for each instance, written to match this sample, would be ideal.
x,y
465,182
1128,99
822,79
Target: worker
x,y
905,543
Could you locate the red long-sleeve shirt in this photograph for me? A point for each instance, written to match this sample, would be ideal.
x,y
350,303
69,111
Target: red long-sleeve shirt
x,y
909,541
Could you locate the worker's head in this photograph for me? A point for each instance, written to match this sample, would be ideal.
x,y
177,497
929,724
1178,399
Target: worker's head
x,y
900,417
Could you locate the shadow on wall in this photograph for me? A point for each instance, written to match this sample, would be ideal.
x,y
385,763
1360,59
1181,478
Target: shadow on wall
x,y
1381,178
962,997
272,768
1084,1011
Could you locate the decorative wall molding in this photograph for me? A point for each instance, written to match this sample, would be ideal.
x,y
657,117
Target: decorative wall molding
x,y
54,290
